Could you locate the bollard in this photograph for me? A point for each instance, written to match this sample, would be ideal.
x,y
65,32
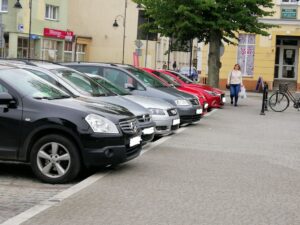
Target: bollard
x,y
264,101
266,97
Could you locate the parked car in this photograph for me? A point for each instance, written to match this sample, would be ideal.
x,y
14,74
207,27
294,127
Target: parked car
x,y
164,114
59,135
79,85
215,97
173,82
138,82
191,73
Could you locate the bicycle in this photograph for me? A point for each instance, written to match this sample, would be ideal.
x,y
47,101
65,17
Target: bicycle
x,y
280,100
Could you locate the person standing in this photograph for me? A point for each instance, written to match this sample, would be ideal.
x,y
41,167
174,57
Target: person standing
x,y
174,65
235,81
165,66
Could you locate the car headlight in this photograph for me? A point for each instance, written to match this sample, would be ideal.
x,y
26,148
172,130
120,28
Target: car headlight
x,y
157,111
100,124
182,102
211,93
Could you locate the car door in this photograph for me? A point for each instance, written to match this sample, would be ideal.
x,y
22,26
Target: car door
x,y
10,128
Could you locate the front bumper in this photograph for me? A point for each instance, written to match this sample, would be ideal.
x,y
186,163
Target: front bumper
x,y
165,124
148,131
101,150
190,114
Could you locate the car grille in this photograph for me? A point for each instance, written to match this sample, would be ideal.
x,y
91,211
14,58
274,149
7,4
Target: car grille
x,y
193,118
129,126
172,112
144,118
194,101
161,128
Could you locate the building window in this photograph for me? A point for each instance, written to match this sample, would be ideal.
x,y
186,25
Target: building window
x,y
4,5
51,12
49,50
80,52
68,52
289,1
246,51
22,47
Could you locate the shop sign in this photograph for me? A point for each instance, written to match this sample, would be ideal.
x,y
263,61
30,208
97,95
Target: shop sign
x,y
288,13
61,34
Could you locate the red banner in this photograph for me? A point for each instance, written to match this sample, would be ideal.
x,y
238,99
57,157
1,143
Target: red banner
x,y
136,60
61,34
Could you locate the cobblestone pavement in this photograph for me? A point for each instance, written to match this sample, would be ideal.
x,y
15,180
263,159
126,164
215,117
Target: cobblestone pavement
x,y
233,168
20,190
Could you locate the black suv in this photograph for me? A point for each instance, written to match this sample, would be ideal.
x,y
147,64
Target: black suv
x,y
58,135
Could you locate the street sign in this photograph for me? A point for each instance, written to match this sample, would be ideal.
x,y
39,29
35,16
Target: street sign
x,y
138,43
20,27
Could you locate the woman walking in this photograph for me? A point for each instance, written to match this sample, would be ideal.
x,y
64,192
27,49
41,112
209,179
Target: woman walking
x,y
235,81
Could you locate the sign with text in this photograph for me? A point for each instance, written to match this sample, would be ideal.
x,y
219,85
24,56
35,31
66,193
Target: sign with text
x,y
289,13
61,34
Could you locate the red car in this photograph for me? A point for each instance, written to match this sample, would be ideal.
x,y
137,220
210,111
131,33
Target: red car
x,y
215,97
173,82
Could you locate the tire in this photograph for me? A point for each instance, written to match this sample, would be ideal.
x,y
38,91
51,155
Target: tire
x,y
279,102
55,159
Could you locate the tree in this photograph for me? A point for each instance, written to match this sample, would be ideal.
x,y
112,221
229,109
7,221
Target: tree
x,y
210,21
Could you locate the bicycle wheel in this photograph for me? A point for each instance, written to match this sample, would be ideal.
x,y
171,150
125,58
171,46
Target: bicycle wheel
x,y
279,102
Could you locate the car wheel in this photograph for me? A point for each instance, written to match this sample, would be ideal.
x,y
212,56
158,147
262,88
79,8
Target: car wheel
x,y
55,159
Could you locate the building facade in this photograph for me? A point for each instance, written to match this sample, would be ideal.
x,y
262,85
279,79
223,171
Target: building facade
x,y
274,58
42,22
100,24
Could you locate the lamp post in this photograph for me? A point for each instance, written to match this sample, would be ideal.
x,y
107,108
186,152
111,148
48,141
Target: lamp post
x,y
115,24
19,6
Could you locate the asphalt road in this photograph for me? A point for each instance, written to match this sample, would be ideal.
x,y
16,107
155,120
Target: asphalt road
x,y
233,168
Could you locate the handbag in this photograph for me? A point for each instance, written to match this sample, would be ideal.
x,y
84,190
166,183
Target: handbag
x,y
228,85
243,93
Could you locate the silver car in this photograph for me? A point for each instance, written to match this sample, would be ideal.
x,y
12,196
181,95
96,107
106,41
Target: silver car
x,y
163,113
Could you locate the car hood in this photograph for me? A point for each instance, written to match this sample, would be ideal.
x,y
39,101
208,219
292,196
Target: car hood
x,y
88,106
176,93
149,102
133,107
208,88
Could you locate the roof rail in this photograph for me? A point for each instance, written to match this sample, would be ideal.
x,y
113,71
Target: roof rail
x,y
29,61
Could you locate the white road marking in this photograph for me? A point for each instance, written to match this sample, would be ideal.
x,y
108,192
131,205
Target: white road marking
x,y
57,199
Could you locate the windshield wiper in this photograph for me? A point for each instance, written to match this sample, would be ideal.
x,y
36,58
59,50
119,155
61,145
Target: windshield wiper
x,y
41,98
99,95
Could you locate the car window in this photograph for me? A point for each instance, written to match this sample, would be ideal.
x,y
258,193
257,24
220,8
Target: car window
x,y
107,84
120,78
183,78
167,78
2,89
29,84
87,69
49,79
146,78
82,83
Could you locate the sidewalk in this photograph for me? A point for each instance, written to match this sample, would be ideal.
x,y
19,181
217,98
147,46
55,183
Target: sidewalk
x,y
233,168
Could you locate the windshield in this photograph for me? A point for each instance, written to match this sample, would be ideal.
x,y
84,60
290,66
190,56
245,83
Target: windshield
x,y
168,79
110,86
29,84
183,78
146,78
82,83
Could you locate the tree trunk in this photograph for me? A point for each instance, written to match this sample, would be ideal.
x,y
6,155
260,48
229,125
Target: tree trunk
x,y
214,63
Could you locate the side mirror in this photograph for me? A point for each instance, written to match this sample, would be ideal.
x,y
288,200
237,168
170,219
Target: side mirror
x,y
7,100
129,86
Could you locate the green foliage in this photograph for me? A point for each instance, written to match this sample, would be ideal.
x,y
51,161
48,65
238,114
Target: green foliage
x,y
189,19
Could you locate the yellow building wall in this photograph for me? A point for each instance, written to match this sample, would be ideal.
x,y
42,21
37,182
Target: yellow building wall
x,y
264,58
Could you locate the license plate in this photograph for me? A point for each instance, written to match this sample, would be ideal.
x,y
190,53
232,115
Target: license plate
x,y
135,141
199,111
176,122
149,130
223,99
